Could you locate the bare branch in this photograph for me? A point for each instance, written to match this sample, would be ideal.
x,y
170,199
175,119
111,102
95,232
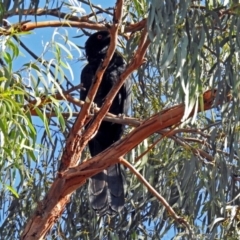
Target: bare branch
x,y
170,210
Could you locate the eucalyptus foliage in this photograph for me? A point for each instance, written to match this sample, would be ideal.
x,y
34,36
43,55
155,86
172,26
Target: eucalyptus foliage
x,y
194,47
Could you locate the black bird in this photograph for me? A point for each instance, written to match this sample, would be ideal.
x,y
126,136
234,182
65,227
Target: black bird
x,y
106,191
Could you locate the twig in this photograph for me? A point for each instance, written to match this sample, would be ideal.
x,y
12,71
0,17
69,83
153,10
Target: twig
x,y
55,12
97,7
170,210
157,141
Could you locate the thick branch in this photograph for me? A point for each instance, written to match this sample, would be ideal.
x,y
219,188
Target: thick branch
x,y
50,209
76,143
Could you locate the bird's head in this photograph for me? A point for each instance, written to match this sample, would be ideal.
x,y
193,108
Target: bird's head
x,y
97,44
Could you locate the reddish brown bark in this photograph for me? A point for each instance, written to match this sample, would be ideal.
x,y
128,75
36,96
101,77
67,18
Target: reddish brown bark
x,y
51,208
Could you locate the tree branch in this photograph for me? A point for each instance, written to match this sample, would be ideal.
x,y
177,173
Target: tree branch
x,y
170,210
51,208
83,22
75,144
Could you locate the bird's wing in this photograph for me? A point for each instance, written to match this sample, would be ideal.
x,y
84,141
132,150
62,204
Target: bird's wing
x,y
87,76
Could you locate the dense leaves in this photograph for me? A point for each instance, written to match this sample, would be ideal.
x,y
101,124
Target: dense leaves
x,y
194,47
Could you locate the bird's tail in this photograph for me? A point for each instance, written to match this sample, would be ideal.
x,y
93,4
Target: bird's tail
x,y
106,191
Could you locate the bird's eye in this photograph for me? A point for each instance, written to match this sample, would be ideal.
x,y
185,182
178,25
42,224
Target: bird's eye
x,y
99,36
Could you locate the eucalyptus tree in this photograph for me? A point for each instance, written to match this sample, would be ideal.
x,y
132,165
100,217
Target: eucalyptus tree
x,y
180,152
